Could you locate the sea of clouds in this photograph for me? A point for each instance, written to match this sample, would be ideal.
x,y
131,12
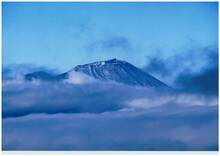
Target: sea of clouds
x,y
82,113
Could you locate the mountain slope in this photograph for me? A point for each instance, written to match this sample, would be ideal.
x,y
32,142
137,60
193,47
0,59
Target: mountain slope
x,y
110,70
119,71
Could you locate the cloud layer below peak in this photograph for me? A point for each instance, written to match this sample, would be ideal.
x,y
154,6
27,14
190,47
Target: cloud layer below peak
x,y
96,115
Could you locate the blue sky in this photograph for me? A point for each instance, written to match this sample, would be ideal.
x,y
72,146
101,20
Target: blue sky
x,y
175,42
62,35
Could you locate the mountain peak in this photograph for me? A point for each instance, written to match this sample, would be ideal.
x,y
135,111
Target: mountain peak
x,y
100,63
119,71
108,70
114,61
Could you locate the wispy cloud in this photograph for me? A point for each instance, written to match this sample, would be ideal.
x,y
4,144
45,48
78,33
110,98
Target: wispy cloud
x,y
112,43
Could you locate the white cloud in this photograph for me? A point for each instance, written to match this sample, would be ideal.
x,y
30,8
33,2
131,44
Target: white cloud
x,y
79,78
150,102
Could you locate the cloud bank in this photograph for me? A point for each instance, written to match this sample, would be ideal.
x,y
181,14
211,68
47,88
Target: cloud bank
x,y
194,71
83,94
81,113
186,129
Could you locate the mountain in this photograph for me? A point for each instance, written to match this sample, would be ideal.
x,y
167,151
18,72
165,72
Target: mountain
x,y
119,71
109,70
42,75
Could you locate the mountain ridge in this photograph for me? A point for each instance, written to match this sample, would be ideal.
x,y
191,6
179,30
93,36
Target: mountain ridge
x,y
108,70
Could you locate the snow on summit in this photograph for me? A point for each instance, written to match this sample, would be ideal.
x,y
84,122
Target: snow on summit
x,y
108,70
